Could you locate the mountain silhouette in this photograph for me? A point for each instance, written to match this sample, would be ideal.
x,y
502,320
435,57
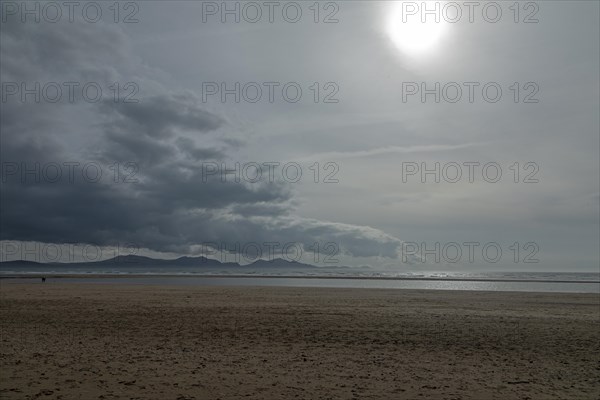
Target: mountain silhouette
x,y
142,261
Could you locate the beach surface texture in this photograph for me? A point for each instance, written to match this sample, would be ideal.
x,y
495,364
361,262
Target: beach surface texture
x,y
107,341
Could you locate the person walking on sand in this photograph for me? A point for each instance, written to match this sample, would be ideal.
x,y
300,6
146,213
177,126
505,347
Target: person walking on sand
x,y
43,279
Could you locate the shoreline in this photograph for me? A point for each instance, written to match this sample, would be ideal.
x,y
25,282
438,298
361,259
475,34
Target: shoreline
x,y
238,276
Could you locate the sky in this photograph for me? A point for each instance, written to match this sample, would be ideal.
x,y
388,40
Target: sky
x,y
361,134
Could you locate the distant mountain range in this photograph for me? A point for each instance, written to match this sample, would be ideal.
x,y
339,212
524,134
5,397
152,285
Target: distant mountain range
x,y
141,261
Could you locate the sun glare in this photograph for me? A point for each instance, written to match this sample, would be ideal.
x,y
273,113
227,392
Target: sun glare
x,y
409,33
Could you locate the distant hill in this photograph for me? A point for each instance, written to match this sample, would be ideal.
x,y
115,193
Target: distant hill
x,y
141,261
148,261
279,263
21,263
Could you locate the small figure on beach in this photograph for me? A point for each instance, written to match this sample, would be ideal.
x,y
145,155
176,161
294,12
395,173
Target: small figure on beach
x,y
43,279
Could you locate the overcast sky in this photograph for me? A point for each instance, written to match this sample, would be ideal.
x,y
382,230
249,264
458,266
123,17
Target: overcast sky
x,y
368,131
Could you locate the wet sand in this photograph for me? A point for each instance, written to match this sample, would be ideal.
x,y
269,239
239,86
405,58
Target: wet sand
x,y
106,341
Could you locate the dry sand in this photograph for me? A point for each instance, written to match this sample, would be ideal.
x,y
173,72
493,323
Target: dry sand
x,y
105,341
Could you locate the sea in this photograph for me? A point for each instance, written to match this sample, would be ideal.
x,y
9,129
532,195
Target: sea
x,y
573,282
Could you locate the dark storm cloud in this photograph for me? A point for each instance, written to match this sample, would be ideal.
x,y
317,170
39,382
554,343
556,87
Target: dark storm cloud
x,y
147,131
91,51
164,204
162,116
159,199
187,146
260,209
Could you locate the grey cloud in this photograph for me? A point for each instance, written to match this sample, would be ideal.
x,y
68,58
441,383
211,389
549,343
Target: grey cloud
x,y
167,136
162,116
188,147
78,49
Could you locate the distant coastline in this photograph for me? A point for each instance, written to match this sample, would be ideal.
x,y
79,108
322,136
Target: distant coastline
x,y
200,275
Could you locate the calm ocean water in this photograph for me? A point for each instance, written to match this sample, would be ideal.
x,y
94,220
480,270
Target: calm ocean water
x,y
334,278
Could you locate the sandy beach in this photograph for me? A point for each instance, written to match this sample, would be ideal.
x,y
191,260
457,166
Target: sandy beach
x,y
106,341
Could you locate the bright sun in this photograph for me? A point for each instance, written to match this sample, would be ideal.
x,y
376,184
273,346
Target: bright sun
x,y
409,33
